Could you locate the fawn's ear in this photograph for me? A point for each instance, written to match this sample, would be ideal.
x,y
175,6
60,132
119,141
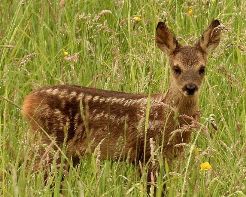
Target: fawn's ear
x,y
165,39
210,37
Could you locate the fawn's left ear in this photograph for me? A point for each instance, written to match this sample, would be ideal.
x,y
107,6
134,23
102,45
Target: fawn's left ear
x,y
165,39
210,37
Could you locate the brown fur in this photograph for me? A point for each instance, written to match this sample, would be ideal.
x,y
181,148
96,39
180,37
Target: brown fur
x,y
87,118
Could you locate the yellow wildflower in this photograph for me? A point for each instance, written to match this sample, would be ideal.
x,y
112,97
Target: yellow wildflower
x,y
190,11
137,18
205,166
65,53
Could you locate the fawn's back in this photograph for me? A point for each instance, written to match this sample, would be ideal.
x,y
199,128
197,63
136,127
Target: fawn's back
x,y
86,117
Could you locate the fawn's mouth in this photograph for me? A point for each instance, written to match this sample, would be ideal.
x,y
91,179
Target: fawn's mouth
x,y
189,93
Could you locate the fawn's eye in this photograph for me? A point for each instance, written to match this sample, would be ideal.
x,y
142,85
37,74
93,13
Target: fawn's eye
x,y
177,70
202,70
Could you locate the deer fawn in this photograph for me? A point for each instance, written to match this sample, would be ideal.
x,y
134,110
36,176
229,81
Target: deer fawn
x,y
121,124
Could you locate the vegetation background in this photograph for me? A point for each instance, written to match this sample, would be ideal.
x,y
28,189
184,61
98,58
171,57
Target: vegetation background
x,y
110,45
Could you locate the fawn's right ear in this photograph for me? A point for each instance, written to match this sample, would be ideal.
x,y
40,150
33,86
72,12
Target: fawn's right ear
x,y
165,39
210,37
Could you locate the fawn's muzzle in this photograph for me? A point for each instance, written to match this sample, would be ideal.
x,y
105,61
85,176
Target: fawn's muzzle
x,y
190,88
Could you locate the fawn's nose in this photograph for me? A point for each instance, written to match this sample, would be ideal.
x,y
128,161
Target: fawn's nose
x,y
190,88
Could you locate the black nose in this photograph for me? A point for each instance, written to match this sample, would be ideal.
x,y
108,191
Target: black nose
x,y
190,88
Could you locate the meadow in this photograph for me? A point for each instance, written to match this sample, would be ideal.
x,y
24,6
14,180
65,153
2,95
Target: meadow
x,y
110,45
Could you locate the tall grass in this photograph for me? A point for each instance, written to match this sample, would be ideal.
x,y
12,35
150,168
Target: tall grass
x,y
100,44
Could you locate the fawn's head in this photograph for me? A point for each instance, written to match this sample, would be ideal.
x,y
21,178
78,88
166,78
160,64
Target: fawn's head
x,y
188,62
